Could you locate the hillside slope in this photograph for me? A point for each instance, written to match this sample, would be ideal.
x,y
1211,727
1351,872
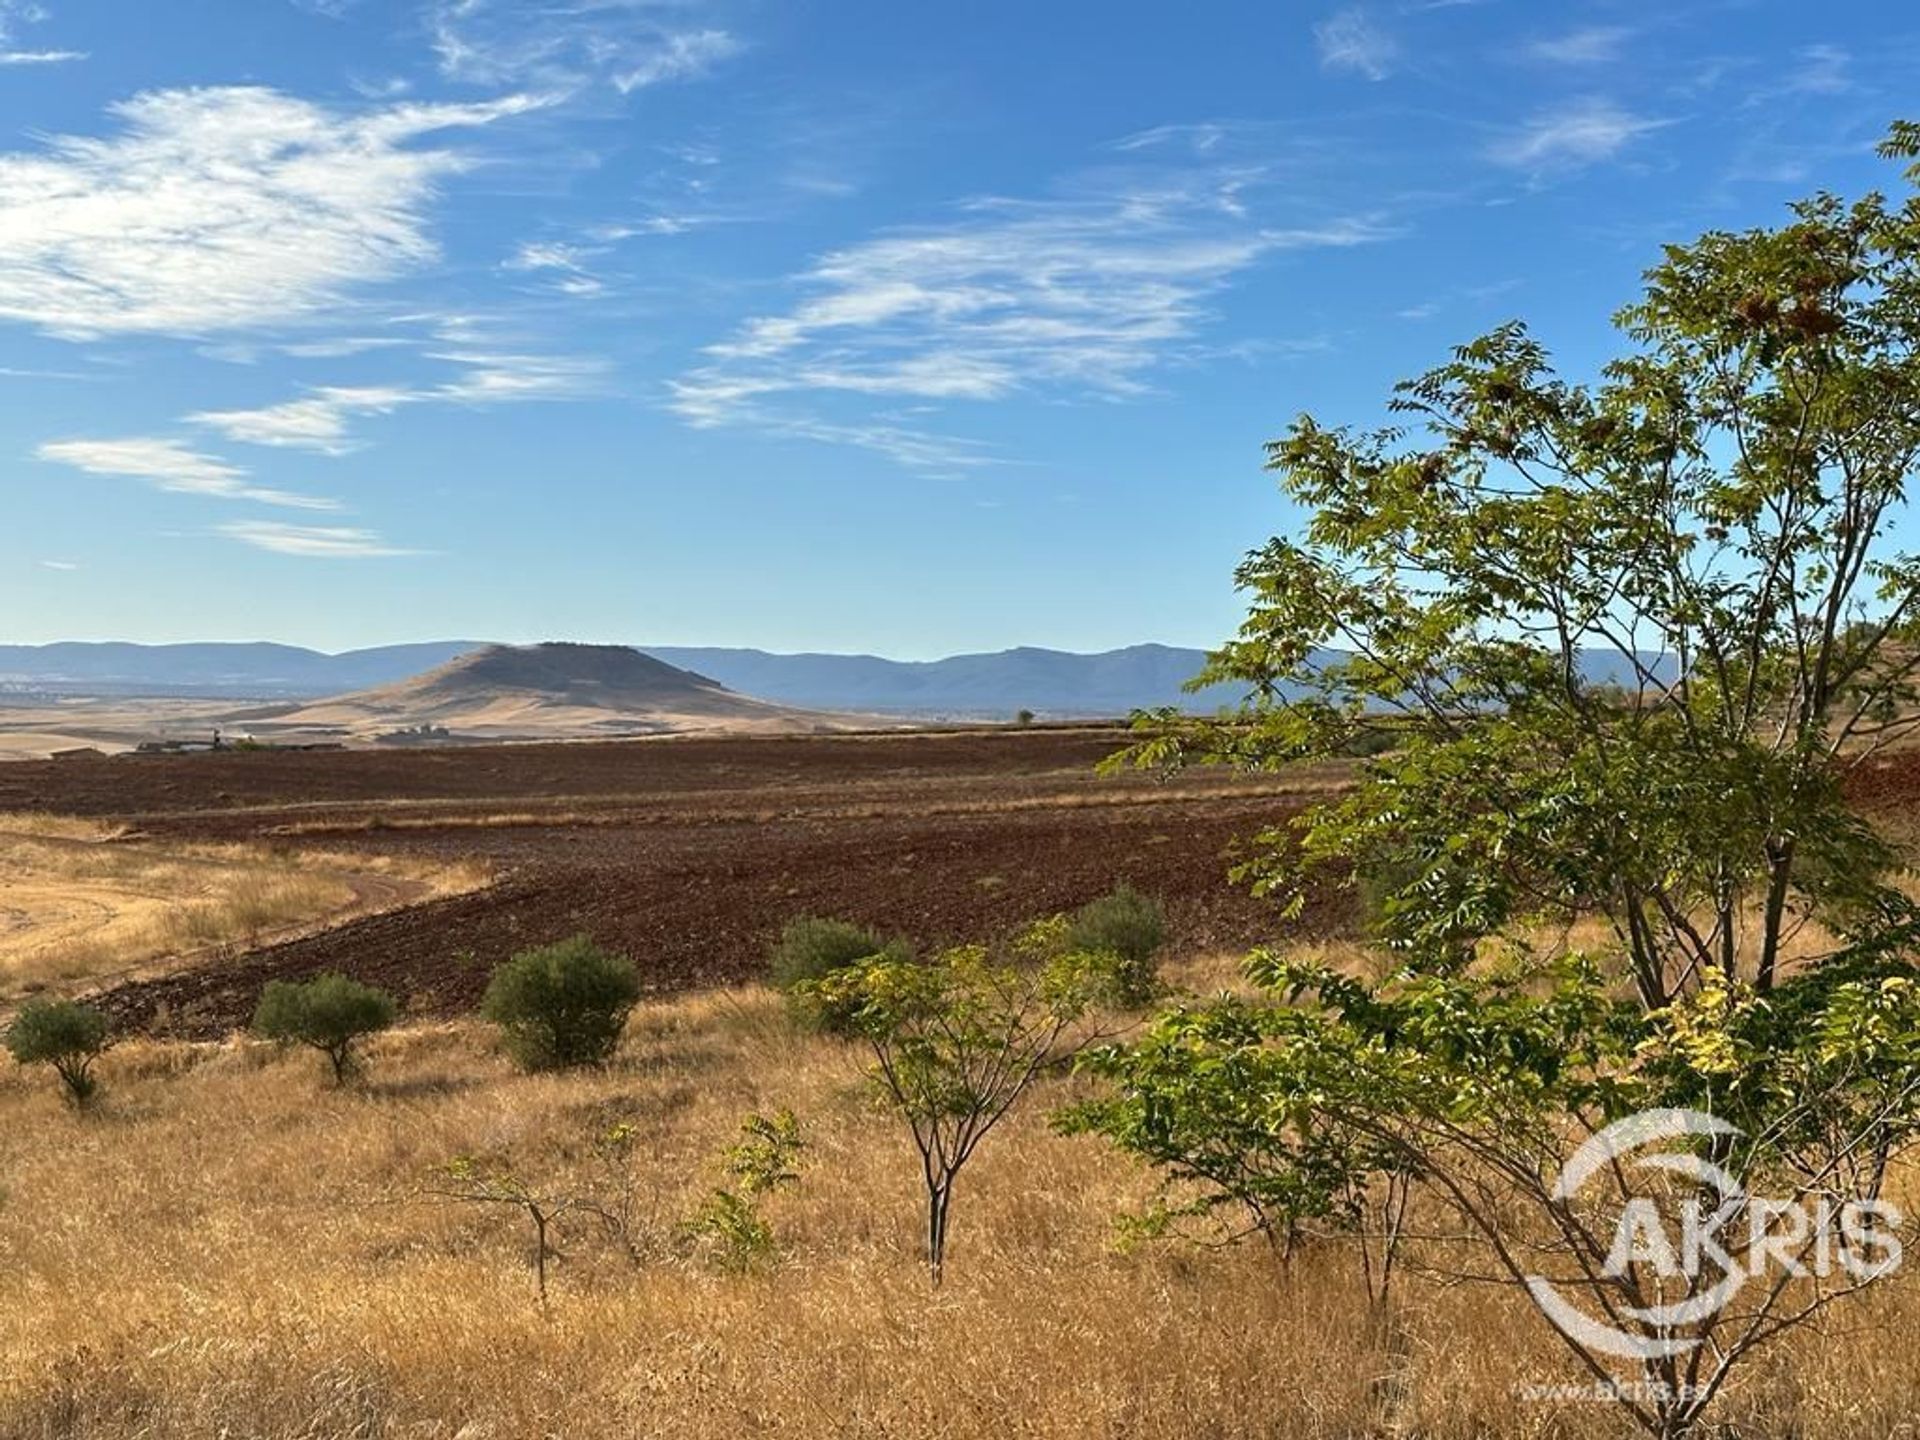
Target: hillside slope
x,y
548,690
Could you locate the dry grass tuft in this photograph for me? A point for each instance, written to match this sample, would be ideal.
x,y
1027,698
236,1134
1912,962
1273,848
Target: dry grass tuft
x,y
16,825
228,1246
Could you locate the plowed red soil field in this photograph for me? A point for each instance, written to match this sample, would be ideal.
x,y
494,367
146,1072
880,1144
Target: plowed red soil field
x,y
689,854
1888,787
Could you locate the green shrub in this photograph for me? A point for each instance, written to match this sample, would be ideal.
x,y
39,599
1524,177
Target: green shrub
x,y
1367,743
562,1005
812,948
64,1034
1132,927
728,1225
329,1013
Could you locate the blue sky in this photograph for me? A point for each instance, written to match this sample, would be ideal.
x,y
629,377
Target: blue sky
x,y
842,325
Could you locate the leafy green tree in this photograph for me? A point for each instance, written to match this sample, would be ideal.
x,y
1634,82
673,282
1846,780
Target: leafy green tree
x,y
1322,1107
329,1013
1130,926
562,1005
65,1034
960,1038
1632,637
1204,1097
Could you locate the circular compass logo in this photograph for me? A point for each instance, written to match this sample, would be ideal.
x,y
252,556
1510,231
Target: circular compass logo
x,y
1710,1239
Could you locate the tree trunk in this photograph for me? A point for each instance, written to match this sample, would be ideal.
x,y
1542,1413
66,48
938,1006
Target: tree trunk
x,y
939,1194
539,1254
1780,871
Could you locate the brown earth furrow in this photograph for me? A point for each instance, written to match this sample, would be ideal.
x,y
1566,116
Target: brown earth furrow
x,y
690,854
698,906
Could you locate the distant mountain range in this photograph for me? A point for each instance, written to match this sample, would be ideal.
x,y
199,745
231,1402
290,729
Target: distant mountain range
x,y
1049,682
1056,683
220,670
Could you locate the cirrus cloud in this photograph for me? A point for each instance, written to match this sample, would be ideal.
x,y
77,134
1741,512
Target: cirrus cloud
x,y
315,422
13,14
571,42
319,420
1589,45
219,209
1351,40
1573,136
312,542
170,465
1080,296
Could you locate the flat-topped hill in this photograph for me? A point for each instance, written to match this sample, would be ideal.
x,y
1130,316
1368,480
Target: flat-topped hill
x,y
551,690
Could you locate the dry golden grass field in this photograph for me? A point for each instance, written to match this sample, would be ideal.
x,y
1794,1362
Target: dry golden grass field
x,y
85,900
228,1246
223,1244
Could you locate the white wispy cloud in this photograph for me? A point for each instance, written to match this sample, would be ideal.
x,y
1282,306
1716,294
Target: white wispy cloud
x,y
385,88
494,377
14,14
547,255
314,542
682,56
16,372
564,265
1069,296
664,224
627,44
1202,138
1583,133
1822,70
903,444
220,208
340,346
170,465
62,565
1352,40
1589,45
318,421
